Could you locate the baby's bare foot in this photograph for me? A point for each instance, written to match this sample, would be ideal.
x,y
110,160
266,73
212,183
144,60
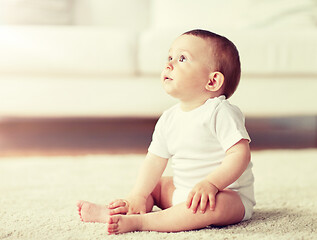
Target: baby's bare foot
x,y
124,223
90,212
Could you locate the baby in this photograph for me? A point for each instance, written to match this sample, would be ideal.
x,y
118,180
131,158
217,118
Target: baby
x,y
206,140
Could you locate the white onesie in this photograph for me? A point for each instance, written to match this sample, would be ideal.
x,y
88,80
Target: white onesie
x,y
196,142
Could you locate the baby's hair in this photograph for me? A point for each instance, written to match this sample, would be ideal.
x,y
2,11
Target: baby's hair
x,y
226,58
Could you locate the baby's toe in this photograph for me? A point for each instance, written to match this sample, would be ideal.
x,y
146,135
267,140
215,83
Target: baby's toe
x,y
80,204
79,207
112,228
114,219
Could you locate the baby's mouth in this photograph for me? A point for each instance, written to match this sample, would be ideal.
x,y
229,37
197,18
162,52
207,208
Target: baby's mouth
x,y
167,78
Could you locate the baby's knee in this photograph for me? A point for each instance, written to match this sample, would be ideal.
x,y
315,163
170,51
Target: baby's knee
x,y
229,208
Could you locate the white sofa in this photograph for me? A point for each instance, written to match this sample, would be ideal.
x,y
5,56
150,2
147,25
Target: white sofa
x,y
106,60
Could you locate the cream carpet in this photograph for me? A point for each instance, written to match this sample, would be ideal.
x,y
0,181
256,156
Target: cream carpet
x,y
38,196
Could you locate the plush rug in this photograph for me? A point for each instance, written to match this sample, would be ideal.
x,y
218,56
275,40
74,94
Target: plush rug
x,y
38,197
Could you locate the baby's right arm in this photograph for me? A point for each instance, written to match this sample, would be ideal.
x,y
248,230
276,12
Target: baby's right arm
x,y
148,177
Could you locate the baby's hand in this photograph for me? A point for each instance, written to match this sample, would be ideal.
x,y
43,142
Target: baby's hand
x,y
118,206
137,204
200,195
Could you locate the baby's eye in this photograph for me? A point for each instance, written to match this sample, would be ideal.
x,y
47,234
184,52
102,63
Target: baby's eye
x,y
182,58
169,58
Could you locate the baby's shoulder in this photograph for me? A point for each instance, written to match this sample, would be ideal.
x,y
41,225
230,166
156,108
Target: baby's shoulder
x,y
226,111
222,108
226,106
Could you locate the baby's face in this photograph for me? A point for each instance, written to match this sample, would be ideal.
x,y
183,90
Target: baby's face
x,y
187,71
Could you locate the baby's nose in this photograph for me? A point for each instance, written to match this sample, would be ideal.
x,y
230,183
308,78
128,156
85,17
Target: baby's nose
x,y
169,66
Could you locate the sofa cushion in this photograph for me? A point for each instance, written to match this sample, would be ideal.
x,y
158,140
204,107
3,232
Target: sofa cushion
x,y
234,15
194,14
277,14
35,11
67,50
120,13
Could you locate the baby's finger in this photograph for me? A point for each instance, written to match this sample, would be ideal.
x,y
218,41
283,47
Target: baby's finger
x,y
203,203
117,203
212,202
189,199
195,202
142,212
132,210
119,210
114,201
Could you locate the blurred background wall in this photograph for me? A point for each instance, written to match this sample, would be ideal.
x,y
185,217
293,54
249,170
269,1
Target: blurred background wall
x,y
83,75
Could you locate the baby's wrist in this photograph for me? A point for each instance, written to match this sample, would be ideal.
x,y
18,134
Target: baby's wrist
x,y
217,189
137,195
213,185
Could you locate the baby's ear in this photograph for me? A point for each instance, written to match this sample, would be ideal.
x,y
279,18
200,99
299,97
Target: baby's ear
x,y
215,81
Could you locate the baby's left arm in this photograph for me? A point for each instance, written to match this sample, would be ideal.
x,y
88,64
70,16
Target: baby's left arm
x,y
234,164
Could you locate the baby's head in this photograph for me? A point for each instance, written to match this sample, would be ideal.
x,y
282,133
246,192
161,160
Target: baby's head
x,y
218,55
225,58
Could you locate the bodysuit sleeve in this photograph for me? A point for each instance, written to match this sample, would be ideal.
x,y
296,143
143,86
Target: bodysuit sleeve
x,y
229,125
158,144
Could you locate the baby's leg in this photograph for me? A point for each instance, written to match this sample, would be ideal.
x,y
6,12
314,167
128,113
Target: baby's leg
x,y
229,210
161,196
